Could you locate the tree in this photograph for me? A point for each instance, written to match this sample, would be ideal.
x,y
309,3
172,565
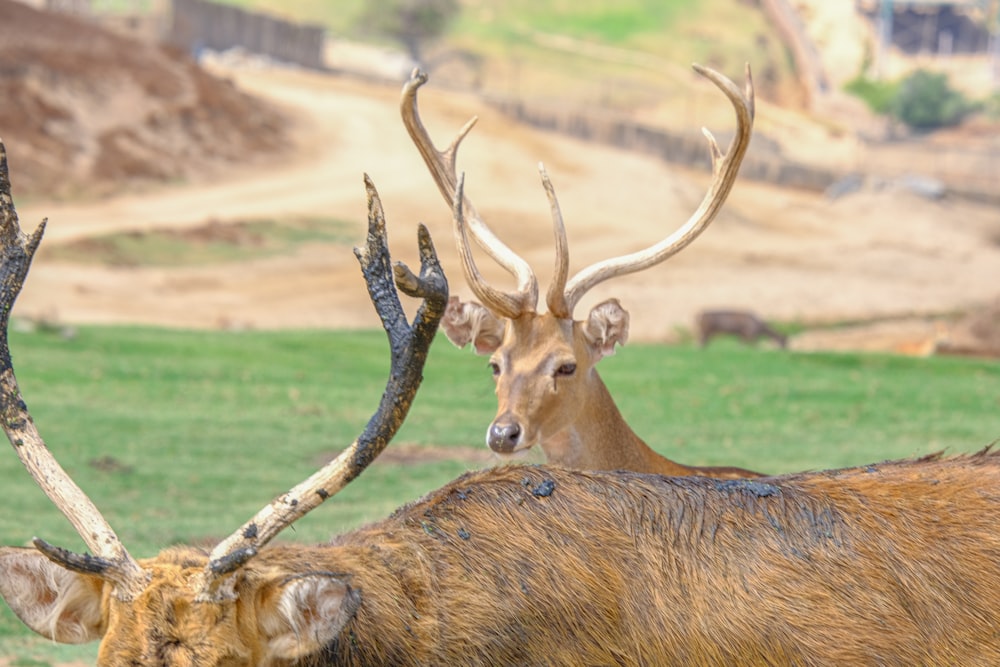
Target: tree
x,y
413,23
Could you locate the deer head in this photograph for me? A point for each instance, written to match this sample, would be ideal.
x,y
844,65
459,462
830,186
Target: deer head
x,y
184,607
543,363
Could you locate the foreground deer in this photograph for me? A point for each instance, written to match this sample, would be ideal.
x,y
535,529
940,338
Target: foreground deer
x,y
547,386
742,323
890,564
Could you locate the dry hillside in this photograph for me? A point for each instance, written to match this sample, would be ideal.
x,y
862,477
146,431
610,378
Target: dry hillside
x,y
86,111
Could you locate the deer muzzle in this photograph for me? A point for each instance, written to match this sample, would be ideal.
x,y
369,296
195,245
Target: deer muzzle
x,y
504,435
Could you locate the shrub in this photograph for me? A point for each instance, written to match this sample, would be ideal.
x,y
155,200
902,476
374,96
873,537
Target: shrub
x,y
878,95
926,101
991,106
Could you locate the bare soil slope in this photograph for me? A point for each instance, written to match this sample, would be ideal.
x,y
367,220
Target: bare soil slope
x,y
86,111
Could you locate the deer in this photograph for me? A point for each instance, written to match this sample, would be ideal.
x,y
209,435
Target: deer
x,y
548,390
742,323
896,563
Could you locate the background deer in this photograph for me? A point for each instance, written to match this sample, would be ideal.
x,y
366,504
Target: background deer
x,y
890,564
742,323
547,386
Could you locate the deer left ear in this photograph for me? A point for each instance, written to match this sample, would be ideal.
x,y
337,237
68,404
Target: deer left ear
x,y
606,326
470,322
301,614
54,602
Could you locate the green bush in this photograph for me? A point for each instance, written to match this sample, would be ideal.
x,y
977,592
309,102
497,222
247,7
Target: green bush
x,y
878,95
991,106
926,101
923,100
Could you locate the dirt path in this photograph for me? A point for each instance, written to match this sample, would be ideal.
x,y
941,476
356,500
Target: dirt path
x,y
784,254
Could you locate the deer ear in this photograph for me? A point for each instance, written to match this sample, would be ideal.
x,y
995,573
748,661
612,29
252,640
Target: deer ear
x,y
301,614
606,325
470,322
54,602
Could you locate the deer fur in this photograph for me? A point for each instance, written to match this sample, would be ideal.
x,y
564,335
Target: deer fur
x,y
896,563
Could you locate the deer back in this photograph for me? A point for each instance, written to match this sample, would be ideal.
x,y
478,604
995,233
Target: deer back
x,y
896,563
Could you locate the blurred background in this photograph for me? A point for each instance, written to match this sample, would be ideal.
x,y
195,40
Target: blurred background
x,y
200,163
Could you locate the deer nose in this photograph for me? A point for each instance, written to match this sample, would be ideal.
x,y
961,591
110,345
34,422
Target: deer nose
x,y
503,436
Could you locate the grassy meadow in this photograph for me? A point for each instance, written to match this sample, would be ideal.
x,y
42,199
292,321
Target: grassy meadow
x,y
180,436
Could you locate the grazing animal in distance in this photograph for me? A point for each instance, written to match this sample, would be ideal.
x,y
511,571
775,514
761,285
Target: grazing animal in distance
x,y
741,323
544,364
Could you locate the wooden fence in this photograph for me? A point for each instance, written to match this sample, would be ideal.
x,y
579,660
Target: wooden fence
x,y
197,24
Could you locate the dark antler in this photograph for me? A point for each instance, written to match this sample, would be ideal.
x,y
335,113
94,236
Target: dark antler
x,y
409,347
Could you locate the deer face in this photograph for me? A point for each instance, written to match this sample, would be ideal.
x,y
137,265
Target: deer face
x,y
543,366
272,611
166,626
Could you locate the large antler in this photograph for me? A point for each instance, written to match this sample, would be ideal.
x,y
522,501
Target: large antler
x,y
409,345
725,167
442,167
110,560
563,296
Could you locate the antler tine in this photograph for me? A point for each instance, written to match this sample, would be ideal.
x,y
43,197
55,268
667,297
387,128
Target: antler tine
x,y
501,303
555,298
110,560
441,164
409,346
724,170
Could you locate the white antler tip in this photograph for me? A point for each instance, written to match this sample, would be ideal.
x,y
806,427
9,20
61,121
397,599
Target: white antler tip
x,y
713,146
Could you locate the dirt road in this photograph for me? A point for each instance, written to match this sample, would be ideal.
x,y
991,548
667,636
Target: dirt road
x,y
785,254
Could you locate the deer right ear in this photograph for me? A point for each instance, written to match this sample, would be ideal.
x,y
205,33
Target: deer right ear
x,y
54,602
606,326
470,322
300,614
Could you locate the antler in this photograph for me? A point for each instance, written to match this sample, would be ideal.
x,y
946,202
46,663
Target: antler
x,y
724,170
409,345
562,296
110,560
442,167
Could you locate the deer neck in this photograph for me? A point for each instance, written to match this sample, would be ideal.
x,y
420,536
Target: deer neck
x,y
601,439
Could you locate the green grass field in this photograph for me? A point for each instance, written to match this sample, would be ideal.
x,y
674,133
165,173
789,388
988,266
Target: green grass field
x,y
181,436
211,243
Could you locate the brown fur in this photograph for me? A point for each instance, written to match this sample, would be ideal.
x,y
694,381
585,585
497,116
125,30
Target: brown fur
x,y
573,418
890,564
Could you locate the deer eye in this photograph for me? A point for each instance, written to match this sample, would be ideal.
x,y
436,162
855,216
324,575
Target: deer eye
x,y
494,368
566,370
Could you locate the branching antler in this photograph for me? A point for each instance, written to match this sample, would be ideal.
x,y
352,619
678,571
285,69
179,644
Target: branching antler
x,y
409,346
441,164
725,167
563,295
110,560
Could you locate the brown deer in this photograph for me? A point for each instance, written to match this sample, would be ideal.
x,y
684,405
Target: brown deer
x,y
890,564
547,385
742,323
